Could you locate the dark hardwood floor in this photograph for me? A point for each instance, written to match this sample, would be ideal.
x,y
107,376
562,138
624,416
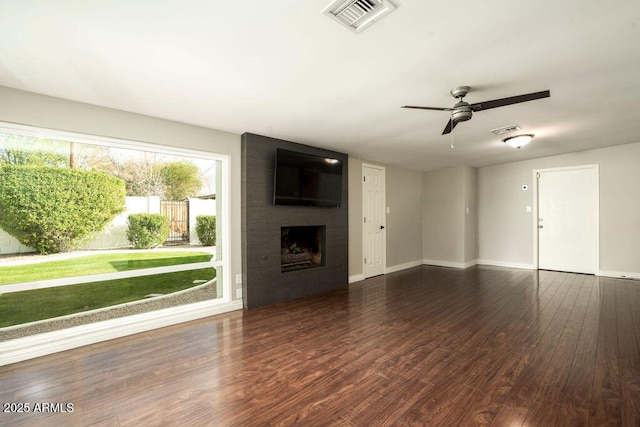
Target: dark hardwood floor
x,y
423,346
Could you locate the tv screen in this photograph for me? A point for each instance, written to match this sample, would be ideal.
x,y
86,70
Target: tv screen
x,y
307,180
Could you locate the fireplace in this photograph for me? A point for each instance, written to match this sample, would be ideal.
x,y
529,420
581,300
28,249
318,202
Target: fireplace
x,y
302,247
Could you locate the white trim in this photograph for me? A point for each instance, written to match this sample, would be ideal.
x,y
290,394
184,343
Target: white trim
x,y
85,138
403,266
536,230
34,346
506,264
384,213
356,278
620,274
76,280
453,264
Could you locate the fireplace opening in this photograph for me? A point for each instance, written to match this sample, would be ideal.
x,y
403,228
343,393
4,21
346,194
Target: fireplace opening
x,y
302,247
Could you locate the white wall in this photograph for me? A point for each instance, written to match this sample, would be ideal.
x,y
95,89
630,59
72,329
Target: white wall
x,y
354,182
443,207
505,229
404,219
11,245
55,113
450,216
470,215
114,234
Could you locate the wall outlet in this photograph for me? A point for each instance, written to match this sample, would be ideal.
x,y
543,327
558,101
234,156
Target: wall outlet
x,y
238,279
239,293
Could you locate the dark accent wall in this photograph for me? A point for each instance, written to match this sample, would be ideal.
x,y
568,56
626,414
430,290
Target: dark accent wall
x,y
263,281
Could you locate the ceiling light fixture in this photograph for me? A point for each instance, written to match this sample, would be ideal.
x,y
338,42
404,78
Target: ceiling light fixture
x,y
518,140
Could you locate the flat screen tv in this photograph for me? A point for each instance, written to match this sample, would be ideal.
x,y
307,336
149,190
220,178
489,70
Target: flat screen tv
x,y
307,180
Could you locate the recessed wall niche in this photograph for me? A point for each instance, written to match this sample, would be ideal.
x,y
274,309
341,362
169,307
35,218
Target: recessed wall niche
x,y
325,265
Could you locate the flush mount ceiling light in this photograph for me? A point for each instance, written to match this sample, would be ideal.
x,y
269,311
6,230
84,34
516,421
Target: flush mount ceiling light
x,y
518,140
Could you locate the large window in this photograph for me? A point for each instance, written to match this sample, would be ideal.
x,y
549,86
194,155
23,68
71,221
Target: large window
x,y
96,228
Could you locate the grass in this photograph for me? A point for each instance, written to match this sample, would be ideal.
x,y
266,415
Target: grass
x,y
96,264
28,306
38,304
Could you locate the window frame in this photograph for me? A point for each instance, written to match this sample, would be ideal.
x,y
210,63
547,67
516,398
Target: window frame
x,y
51,342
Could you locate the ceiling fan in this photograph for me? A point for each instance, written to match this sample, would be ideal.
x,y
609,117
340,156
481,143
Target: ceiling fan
x,y
463,111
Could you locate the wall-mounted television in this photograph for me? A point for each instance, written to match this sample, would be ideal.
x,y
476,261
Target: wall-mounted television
x,y
307,180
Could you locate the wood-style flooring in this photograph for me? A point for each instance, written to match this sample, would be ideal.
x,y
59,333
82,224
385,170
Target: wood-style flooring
x,y
423,346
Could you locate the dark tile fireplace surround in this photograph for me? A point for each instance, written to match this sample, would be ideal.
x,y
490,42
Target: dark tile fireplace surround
x,y
288,252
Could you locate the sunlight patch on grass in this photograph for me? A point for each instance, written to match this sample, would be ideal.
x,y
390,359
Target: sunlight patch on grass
x,y
97,264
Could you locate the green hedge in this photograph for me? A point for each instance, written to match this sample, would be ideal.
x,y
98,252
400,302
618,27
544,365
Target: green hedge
x,y
206,229
146,231
54,209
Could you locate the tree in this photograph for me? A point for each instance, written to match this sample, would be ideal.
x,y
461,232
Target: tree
x,y
180,180
54,209
141,174
147,174
28,150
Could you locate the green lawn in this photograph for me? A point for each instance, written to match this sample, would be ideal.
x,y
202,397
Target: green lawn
x,y
28,306
96,264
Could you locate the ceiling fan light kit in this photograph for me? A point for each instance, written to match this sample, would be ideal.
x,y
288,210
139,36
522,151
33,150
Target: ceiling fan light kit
x,y
518,140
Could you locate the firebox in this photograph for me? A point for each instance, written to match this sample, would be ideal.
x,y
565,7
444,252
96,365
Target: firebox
x,y
302,247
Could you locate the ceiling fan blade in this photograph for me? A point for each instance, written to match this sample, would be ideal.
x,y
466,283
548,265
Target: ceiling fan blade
x,y
479,106
449,127
426,108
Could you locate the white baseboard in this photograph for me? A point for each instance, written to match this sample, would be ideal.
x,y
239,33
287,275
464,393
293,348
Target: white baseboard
x,y
404,266
506,264
453,264
619,274
33,346
356,278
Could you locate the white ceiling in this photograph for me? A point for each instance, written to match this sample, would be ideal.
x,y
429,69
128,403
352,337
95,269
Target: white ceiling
x,y
283,69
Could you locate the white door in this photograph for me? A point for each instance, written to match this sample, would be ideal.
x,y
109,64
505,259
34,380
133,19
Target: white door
x,y
373,212
568,220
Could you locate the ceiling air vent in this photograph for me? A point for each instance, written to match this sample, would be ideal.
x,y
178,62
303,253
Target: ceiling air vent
x,y
356,15
505,129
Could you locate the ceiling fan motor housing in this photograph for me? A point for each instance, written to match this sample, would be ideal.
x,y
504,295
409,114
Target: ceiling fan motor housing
x,y
461,112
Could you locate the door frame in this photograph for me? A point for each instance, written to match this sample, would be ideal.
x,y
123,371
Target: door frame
x,y
384,209
536,201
